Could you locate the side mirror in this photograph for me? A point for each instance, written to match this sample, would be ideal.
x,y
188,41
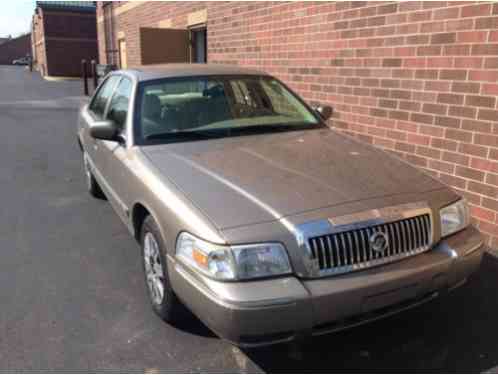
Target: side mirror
x,y
105,130
325,112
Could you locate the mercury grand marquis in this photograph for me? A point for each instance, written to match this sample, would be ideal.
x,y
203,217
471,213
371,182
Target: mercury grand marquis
x,y
255,215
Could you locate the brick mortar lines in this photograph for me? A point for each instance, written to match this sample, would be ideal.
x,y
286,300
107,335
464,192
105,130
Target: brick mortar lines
x,y
375,28
458,143
434,117
412,99
440,160
397,12
319,80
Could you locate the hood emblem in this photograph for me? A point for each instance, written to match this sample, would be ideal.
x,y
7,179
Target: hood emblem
x,y
378,242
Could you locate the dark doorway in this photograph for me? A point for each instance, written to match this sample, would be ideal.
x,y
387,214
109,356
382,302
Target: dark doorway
x,y
199,45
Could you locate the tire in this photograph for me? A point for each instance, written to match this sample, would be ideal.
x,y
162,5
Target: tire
x,y
162,298
91,183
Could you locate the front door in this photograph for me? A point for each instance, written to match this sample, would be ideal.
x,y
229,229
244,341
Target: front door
x,y
114,153
96,112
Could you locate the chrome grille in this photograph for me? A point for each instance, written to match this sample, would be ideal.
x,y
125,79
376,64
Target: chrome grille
x,y
351,250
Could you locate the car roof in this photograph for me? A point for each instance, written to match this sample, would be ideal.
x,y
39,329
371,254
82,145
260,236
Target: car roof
x,y
185,70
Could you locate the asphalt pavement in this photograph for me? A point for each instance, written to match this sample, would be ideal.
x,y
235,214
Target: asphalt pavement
x,y
72,291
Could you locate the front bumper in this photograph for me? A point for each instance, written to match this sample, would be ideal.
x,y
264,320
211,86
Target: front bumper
x,y
278,310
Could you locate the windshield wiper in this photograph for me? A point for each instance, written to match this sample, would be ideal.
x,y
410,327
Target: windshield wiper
x,y
272,128
228,132
180,136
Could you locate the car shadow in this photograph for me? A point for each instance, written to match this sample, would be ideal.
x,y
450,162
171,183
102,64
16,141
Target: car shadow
x,y
193,325
456,333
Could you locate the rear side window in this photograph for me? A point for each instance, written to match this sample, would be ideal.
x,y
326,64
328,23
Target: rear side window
x,y
118,109
100,100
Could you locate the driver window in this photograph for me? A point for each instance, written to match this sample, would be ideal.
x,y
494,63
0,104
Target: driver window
x,y
118,109
100,100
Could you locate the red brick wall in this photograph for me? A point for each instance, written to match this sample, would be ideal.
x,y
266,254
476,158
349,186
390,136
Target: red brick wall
x,y
64,56
70,25
15,48
148,14
101,35
419,79
62,39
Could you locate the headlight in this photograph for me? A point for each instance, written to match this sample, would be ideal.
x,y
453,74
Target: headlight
x,y
454,217
240,262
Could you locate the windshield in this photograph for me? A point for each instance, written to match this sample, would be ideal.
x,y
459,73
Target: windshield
x,y
199,108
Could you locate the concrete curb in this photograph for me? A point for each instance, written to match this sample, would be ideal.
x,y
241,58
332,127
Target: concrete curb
x,y
58,79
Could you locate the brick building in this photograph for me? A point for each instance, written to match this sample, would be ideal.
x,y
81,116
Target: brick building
x,y
419,79
3,40
14,48
63,33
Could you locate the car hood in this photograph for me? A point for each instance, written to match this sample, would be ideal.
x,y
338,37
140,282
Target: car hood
x,y
247,180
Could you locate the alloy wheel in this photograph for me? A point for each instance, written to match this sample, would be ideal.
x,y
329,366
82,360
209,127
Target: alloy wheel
x,y
153,268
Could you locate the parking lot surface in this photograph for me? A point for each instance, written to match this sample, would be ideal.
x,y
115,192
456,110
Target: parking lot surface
x,y
72,291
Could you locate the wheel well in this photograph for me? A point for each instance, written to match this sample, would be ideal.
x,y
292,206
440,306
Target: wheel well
x,y
139,215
